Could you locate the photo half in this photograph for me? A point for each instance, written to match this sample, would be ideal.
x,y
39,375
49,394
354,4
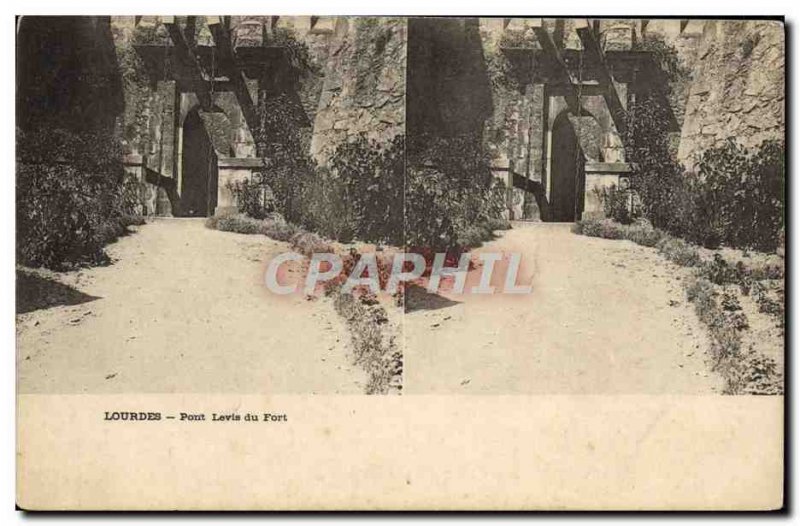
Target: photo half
x,y
164,162
611,194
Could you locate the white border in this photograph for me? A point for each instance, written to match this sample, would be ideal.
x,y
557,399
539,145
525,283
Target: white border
x,y
347,7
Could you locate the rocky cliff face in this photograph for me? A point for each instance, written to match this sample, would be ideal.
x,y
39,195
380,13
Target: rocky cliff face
x,y
364,85
737,87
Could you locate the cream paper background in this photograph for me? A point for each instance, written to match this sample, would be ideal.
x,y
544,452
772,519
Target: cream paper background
x,y
411,452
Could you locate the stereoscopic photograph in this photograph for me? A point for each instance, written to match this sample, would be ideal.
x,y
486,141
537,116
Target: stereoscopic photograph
x,y
394,208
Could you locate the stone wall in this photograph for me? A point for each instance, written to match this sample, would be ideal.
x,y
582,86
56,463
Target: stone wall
x,y
737,87
364,86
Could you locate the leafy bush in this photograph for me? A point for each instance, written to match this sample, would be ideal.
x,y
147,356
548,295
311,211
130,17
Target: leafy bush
x,y
272,227
658,178
240,224
769,305
327,210
474,235
253,197
720,272
452,199
730,302
72,197
359,196
367,177
740,195
616,203
736,196
604,228
279,230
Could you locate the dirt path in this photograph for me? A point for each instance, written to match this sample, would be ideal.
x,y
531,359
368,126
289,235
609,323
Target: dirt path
x,y
604,317
183,310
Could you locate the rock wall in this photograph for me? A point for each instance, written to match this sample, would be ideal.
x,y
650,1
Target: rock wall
x,y
737,87
364,85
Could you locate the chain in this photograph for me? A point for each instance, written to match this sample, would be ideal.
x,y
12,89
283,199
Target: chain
x,y
160,131
210,141
578,153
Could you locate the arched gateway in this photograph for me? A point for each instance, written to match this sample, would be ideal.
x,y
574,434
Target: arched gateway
x,y
198,194
567,172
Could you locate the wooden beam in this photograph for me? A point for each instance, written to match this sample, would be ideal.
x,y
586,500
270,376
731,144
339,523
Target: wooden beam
x,y
592,48
222,39
188,61
162,181
550,49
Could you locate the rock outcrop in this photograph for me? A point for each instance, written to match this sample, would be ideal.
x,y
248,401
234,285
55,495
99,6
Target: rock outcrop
x,y
737,87
364,84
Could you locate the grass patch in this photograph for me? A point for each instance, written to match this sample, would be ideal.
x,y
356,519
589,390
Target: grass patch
x,y
276,228
724,329
642,233
678,251
604,228
744,371
373,348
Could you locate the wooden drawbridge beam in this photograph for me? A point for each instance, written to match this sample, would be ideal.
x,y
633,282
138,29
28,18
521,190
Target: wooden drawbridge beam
x,y
592,48
551,49
188,61
222,40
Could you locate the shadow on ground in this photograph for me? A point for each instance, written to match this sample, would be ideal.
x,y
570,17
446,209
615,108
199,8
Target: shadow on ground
x,y
35,292
418,298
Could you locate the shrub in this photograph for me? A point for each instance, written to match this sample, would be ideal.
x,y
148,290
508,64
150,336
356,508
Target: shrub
x,y
678,251
617,203
498,223
367,177
360,195
235,223
279,229
736,196
452,199
72,197
375,351
767,304
327,209
273,227
474,235
730,302
307,243
658,178
604,228
740,194
643,233
253,197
